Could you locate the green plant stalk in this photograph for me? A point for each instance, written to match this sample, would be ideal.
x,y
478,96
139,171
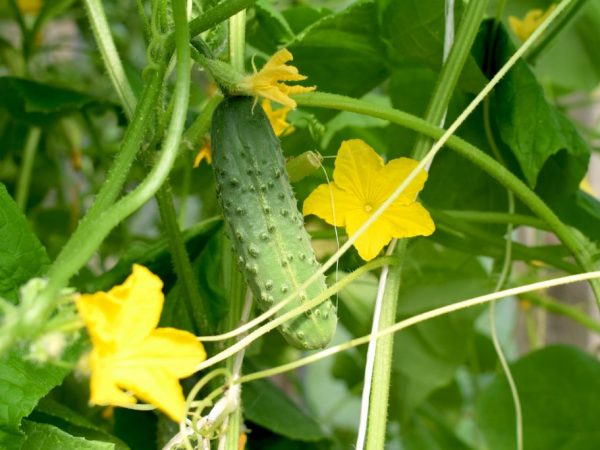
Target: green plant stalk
x,y
237,40
554,306
450,73
382,368
181,260
108,50
212,17
538,47
232,320
112,62
523,252
133,139
493,217
31,144
473,154
25,33
237,44
436,111
63,268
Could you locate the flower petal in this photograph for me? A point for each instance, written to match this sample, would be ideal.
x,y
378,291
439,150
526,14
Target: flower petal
x,y
177,352
393,174
103,386
319,203
357,167
155,386
127,313
377,236
409,220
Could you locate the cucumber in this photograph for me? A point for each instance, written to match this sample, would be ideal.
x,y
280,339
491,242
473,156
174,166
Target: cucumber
x,y
263,221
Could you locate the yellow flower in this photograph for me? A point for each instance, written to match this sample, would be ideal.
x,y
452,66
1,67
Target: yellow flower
x,y
361,183
278,118
30,6
525,28
130,356
268,81
205,153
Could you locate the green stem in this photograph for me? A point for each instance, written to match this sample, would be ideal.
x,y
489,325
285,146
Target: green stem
x,y
181,260
436,111
493,217
382,367
212,17
487,241
467,32
555,306
538,47
108,50
59,274
25,34
186,184
237,40
91,235
237,43
473,154
115,179
234,315
31,145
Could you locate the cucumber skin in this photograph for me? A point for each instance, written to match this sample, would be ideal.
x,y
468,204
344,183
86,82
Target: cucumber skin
x,y
263,221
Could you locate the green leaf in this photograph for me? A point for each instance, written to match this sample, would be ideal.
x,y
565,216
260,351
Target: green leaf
x,y
300,17
22,384
47,437
270,408
21,255
559,388
342,53
39,103
413,31
53,413
268,30
530,127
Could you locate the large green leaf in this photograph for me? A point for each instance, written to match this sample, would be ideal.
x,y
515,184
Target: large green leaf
x,y
21,255
268,29
559,389
413,31
51,412
342,53
48,437
22,384
532,128
269,407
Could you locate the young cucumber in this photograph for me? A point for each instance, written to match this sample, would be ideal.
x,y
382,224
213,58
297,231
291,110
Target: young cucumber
x,y
263,221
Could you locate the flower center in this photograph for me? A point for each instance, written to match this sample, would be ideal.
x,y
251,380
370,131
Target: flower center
x,y
368,207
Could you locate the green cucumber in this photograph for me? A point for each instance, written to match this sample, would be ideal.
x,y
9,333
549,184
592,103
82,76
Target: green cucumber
x,y
263,222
